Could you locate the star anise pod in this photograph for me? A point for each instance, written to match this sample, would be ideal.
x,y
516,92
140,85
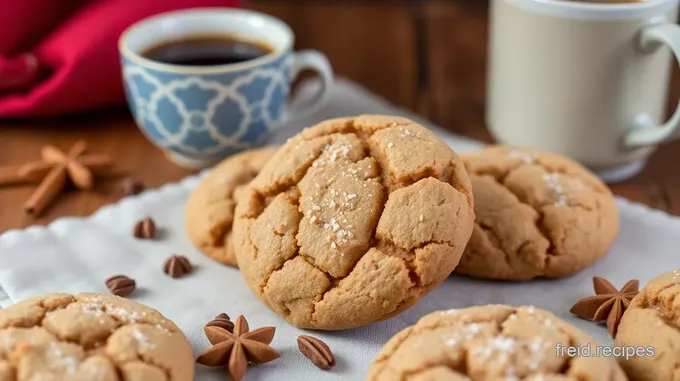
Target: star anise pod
x,y
235,350
608,303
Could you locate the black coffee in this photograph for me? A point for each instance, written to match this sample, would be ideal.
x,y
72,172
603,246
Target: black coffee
x,y
207,50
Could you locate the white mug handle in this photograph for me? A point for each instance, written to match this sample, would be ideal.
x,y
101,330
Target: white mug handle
x,y
644,131
315,61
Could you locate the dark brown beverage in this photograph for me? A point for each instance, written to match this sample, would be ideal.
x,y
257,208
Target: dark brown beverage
x,y
207,50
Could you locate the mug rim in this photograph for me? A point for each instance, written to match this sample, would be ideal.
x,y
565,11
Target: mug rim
x,y
597,11
137,58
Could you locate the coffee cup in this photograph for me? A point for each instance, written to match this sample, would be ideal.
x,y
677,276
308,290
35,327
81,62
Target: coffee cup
x,y
587,79
205,83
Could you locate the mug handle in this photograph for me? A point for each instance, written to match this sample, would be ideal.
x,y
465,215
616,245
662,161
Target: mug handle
x,y
644,131
315,61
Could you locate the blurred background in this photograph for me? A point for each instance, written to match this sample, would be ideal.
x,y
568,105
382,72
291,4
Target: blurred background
x,y
427,55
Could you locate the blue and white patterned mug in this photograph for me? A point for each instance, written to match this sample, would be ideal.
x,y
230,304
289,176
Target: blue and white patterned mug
x,y
201,114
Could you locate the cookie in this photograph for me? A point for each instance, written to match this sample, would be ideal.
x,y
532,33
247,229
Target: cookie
x,y
210,209
88,337
652,323
537,215
352,221
493,342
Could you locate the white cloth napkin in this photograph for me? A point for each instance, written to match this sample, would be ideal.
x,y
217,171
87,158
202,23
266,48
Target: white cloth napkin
x,y
77,254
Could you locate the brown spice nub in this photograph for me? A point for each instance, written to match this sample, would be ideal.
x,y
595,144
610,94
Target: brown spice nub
x,y
177,266
608,304
316,351
130,186
145,229
121,285
223,321
235,350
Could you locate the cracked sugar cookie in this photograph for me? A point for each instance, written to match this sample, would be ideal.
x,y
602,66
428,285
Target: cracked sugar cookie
x,y
90,337
210,209
650,331
352,221
493,342
537,215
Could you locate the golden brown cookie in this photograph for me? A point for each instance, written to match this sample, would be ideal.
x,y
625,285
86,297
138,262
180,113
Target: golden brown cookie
x,y
652,322
490,343
210,209
352,221
537,215
90,337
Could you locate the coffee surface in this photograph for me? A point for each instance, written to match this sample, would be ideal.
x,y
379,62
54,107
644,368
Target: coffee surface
x,y
207,51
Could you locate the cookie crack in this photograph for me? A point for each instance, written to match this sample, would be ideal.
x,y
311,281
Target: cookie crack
x,y
364,139
490,233
381,363
102,307
432,327
252,173
539,224
348,129
277,269
146,359
47,310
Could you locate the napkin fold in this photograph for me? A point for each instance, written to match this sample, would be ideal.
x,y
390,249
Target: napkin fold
x,y
61,56
77,254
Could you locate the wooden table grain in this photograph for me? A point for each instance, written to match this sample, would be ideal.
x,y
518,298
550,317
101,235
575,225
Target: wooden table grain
x,y
115,134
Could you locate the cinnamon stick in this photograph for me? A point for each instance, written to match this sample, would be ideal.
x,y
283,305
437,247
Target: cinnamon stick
x,y
96,163
35,171
10,178
27,173
47,191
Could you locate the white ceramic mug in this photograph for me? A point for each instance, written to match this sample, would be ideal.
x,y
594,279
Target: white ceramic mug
x,y
586,80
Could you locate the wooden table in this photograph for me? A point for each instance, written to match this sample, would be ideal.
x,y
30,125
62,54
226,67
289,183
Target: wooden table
x,y
114,133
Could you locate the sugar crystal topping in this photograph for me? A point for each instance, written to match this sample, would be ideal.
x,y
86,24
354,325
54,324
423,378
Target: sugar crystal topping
x,y
99,307
453,311
500,351
553,181
335,201
56,356
462,335
142,339
525,157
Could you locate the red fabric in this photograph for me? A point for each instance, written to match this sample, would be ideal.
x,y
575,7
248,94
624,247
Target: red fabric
x,y
61,56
